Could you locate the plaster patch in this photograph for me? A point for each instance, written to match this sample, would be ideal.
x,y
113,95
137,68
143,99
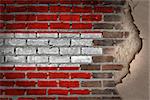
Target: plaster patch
x,y
126,51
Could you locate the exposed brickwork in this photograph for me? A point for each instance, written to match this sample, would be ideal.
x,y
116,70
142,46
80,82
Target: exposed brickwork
x,y
59,49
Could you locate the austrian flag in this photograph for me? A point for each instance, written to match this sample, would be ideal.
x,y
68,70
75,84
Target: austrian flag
x,y
60,49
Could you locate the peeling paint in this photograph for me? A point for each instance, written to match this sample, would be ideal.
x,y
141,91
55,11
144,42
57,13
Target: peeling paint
x,y
126,51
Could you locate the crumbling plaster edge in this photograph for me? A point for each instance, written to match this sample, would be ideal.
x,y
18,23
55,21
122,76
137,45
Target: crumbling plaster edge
x,y
126,51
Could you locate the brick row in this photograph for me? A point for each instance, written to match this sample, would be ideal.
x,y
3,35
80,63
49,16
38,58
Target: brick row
x,y
73,9
55,75
84,2
62,25
43,91
54,17
89,67
41,59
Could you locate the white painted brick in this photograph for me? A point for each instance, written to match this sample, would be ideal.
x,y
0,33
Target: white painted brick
x,y
47,65
1,59
69,50
59,59
94,35
15,42
16,59
6,35
37,42
59,42
25,35
81,59
65,35
46,50
37,59
25,65
81,42
90,50
26,50
1,42
69,65
47,35
6,50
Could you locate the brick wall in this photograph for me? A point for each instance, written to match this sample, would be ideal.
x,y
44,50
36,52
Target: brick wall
x,y
59,49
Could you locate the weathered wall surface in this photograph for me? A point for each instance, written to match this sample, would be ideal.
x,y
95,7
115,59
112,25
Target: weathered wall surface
x,y
60,49
135,85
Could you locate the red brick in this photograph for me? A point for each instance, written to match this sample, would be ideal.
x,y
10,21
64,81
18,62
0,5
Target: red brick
x,y
14,91
57,92
112,67
25,68
70,17
81,26
16,9
36,75
81,9
1,92
38,26
69,84
104,9
25,83
26,1
46,68
81,75
80,92
91,2
6,17
6,68
92,17
5,98
7,83
2,25
69,68
24,98
47,83
1,75
59,25
58,75
25,17
46,98
36,92
16,26
2,8
47,17
6,1
70,1
48,1
14,75
37,8
60,9
67,98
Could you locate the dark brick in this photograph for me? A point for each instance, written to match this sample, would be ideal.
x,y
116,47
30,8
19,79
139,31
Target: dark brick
x,y
111,98
89,98
109,83
112,18
103,26
112,67
102,75
105,91
90,67
98,59
91,83
108,50
113,34
106,42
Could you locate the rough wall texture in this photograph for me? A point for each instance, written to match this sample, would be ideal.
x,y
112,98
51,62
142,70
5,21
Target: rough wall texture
x,y
65,49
